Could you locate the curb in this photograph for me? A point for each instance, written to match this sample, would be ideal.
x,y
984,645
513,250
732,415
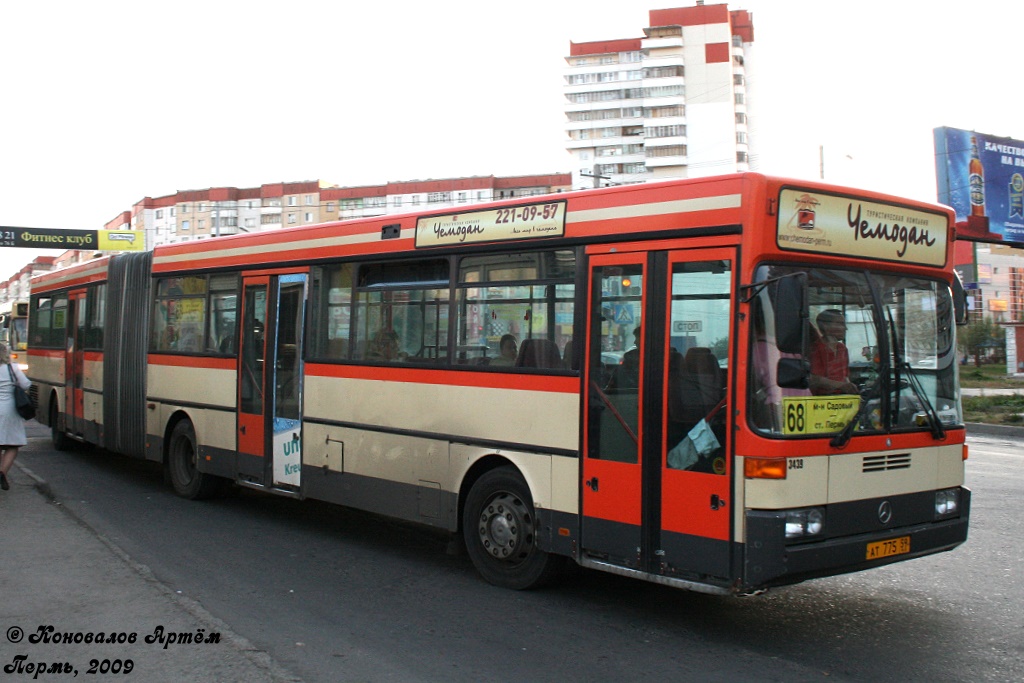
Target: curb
x,y
983,429
259,658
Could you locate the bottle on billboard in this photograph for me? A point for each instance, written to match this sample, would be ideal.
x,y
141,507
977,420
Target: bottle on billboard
x,y
976,180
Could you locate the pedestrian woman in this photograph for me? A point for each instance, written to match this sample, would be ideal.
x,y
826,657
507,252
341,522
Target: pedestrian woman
x,y
12,426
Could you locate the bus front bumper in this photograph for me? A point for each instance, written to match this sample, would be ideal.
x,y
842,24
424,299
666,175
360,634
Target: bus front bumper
x,y
770,561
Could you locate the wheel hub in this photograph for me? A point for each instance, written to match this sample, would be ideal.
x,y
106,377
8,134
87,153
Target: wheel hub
x,y
502,527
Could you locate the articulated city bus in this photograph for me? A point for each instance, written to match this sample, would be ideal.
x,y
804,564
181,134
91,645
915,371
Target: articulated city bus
x,y
721,384
14,330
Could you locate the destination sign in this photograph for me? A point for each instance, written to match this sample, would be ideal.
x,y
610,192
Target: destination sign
x,y
51,238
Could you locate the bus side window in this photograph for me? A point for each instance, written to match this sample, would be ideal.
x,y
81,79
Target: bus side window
x,y
523,297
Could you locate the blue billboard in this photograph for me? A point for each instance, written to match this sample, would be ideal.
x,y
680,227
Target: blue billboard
x,y
982,178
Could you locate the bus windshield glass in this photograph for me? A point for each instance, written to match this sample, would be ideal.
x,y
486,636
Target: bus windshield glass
x,y
879,355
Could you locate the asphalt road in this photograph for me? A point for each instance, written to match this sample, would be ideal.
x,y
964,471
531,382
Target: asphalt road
x,y
337,595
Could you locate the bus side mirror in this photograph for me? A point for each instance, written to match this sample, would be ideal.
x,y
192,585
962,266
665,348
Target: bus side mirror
x,y
793,373
791,316
959,300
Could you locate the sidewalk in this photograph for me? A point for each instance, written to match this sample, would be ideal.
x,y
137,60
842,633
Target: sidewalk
x,y
990,392
56,572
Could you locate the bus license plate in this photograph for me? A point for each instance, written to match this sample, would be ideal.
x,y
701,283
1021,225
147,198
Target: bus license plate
x,y
894,546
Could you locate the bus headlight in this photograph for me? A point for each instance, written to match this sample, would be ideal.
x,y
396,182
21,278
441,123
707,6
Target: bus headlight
x,y
803,523
947,502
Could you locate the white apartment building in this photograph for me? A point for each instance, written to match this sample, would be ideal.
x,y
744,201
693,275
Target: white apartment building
x,y
673,104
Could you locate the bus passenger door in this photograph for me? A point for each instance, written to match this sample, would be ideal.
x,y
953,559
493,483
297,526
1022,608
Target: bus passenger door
x,y
656,477
270,380
252,353
74,363
694,469
286,380
614,429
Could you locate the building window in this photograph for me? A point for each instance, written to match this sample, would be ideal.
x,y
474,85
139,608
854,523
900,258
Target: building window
x,y
668,151
665,131
159,214
293,201
741,118
291,218
739,98
310,200
309,216
741,157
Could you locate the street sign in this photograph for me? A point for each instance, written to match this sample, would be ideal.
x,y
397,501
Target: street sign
x,y
623,314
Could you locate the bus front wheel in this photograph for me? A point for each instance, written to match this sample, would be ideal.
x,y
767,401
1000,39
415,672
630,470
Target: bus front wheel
x,y
182,465
499,525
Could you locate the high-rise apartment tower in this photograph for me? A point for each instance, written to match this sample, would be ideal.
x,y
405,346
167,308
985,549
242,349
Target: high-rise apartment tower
x,y
673,104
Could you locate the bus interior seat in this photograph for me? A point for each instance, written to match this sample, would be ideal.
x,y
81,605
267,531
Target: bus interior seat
x,y
695,385
538,353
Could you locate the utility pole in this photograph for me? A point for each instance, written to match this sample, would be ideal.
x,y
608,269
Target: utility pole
x,y
597,177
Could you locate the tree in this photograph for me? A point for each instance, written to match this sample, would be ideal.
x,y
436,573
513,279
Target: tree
x,y
978,337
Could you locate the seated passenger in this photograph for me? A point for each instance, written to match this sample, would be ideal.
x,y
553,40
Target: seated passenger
x,y
830,359
383,346
509,351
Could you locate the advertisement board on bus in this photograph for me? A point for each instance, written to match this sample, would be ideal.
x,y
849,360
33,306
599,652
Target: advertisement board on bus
x,y
981,177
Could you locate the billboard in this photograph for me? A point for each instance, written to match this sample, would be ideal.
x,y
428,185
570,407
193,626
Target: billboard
x,y
982,178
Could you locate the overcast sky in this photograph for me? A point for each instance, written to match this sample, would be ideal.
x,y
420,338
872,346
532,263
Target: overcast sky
x,y
107,102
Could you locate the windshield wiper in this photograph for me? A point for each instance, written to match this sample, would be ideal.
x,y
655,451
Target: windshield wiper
x,y
938,431
901,364
843,437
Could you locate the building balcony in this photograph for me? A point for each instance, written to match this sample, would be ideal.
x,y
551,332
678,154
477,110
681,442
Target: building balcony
x,y
596,124
605,86
657,60
598,105
575,145
664,82
661,43
663,162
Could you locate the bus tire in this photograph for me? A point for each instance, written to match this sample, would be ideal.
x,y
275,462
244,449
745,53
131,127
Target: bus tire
x,y
499,526
58,437
182,465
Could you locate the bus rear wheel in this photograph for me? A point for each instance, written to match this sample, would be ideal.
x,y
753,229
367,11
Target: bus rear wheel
x,y
61,441
182,465
500,528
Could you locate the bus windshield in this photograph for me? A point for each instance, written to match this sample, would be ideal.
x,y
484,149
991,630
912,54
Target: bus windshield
x,y
879,355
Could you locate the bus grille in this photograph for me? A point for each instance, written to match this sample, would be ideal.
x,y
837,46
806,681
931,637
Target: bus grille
x,y
883,463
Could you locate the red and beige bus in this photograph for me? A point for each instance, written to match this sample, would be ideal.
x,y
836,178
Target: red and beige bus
x,y
721,384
